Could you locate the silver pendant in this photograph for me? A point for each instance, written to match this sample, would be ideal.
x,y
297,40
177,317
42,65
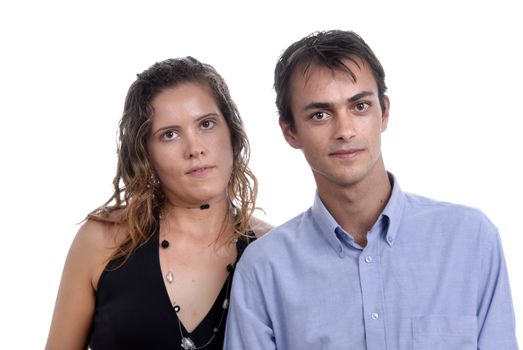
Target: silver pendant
x,y
169,277
188,344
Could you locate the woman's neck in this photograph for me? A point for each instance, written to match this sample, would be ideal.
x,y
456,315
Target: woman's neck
x,y
204,225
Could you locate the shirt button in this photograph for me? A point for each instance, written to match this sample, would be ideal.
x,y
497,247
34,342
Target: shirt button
x,y
368,259
374,315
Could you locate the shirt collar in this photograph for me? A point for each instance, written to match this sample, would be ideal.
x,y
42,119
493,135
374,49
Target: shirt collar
x,y
326,224
392,212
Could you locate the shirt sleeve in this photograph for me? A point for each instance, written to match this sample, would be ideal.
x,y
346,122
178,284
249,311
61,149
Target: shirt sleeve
x,y
248,325
496,321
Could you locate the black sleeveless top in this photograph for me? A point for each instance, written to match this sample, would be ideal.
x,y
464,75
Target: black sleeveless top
x,y
133,309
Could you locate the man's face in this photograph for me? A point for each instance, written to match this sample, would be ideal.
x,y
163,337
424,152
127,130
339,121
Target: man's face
x,y
338,123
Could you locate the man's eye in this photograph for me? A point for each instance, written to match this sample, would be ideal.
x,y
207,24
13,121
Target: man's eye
x,y
362,106
319,116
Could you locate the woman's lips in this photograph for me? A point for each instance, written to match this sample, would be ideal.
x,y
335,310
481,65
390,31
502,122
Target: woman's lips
x,y
200,170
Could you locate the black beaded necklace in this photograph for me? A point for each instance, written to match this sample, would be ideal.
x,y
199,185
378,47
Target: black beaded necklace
x,y
188,343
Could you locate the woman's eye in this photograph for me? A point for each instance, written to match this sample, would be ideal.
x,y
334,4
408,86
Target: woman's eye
x,y
362,106
169,135
208,124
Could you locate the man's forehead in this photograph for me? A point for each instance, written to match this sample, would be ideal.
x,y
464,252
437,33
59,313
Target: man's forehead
x,y
351,67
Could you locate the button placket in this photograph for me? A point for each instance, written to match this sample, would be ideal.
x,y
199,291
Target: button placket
x,y
372,292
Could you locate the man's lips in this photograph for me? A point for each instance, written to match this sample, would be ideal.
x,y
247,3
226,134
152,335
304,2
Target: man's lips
x,y
346,153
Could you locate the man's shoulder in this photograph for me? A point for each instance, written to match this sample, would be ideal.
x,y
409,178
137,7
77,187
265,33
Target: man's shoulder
x,y
415,201
448,212
278,240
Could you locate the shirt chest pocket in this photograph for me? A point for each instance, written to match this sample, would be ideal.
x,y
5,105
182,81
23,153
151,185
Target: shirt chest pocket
x,y
444,332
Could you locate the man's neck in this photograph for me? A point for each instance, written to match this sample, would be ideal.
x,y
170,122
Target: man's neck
x,y
357,207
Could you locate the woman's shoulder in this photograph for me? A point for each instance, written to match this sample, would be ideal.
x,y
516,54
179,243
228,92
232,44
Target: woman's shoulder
x,y
259,226
95,244
100,235
108,215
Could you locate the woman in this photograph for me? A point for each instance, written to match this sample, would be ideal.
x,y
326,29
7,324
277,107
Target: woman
x,y
152,268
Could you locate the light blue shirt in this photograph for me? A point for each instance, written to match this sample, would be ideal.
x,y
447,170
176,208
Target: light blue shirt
x,y
432,276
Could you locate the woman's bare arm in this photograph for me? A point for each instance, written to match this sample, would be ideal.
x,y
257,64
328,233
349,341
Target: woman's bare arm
x,y
75,303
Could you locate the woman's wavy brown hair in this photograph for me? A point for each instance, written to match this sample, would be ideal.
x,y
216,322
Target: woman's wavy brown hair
x,y
138,196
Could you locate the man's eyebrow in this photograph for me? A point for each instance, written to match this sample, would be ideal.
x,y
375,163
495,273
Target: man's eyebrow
x,y
328,105
318,105
360,95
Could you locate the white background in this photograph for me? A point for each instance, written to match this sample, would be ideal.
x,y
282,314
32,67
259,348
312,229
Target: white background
x,y
454,72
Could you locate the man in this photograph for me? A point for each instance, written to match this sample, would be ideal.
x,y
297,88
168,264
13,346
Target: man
x,y
368,266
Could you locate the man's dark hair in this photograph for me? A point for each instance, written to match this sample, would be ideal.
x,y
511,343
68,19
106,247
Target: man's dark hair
x,y
327,49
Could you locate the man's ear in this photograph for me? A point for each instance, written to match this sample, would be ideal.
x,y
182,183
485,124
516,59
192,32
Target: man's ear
x,y
385,113
290,136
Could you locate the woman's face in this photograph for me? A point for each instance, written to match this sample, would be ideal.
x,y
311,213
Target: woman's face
x,y
190,145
